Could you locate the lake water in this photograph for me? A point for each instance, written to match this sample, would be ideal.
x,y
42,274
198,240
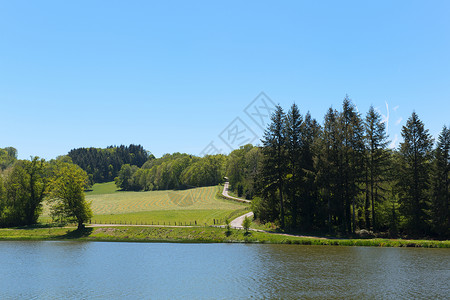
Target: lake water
x,y
93,270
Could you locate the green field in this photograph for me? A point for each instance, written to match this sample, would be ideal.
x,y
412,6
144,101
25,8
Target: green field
x,y
199,205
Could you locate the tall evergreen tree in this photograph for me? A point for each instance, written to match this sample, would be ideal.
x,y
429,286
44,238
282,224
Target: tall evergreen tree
x,y
352,168
294,164
329,168
414,174
376,162
440,215
311,133
274,170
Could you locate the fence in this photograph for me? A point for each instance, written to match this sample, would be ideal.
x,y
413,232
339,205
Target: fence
x,y
154,223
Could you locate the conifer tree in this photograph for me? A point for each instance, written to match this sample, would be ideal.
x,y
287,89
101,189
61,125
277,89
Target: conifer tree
x,y
414,173
376,162
329,166
352,168
293,151
440,216
311,133
274,151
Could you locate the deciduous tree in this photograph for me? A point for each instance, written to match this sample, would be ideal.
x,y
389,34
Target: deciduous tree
x,y
67,193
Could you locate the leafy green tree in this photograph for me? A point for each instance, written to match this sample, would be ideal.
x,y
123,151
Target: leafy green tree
x,y
241,167
252,159
377,159
26,187
207,171
414,173
8,156
246,224
440,215
124,180
67,194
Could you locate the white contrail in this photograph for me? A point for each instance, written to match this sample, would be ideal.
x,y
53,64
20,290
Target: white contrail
x,y
385,118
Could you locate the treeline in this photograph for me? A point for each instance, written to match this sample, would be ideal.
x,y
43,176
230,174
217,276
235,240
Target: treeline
x,y
172,171
25,184
103,165
342,177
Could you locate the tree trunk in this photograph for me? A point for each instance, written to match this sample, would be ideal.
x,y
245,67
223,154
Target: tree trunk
x,y
367,205
80,225
281,208
353,216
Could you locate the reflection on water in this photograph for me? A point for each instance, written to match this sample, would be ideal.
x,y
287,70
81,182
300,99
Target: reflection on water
x,y
75,270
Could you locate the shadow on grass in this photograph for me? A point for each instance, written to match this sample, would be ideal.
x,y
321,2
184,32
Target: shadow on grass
x,y
35,226
78,233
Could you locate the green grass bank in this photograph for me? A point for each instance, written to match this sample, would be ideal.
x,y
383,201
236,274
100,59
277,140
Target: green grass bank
x,y
195,235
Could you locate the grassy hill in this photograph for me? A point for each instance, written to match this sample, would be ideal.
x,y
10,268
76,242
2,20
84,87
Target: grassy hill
x,y
159,207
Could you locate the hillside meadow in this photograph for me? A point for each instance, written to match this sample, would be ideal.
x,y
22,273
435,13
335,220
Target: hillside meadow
x,y
192,206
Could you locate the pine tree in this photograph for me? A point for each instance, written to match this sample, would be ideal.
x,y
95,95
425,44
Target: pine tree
x,y
311,133
329,167
352,168
293,151
440,216
414,174
376,162
274,165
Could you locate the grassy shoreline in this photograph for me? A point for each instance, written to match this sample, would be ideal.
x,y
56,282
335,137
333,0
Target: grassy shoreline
x,y
194,235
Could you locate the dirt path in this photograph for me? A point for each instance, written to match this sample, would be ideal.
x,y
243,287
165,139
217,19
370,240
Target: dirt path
x,y
225,194
237,223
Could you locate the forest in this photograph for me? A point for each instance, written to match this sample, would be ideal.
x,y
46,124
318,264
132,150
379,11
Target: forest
x,y
336,177
342,177
103,165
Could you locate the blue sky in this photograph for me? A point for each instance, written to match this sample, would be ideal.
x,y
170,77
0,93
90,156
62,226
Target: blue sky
x,y
173,75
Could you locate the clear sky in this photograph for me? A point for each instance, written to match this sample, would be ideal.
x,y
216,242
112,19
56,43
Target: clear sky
x,y
175,75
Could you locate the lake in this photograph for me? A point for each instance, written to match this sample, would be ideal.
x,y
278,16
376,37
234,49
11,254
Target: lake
x,y
93,270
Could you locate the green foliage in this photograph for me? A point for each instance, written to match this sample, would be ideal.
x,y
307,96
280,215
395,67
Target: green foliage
x,y
103,165
241,169
440,214
343,178
26,187
414,174
176,171
376,163
274,166
8,156
246,223
125,178
207,171
67,194
228,227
